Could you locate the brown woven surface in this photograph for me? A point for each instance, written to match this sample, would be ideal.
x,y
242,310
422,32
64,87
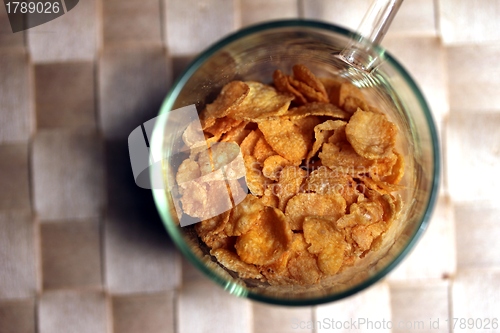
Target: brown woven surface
x,y
81,247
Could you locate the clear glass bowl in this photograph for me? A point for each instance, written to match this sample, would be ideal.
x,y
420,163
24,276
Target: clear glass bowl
x,y
253,54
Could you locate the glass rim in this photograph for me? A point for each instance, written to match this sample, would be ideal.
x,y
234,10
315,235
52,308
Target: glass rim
x,y
160,196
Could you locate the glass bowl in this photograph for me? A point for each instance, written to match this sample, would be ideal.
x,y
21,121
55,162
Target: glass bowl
x,y
253,54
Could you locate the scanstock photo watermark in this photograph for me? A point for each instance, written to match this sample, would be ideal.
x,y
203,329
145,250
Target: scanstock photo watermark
x,y
225,172
422,325
223,164
364,323
24,15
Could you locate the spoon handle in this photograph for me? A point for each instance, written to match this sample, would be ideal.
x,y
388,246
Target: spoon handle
x,y
371,31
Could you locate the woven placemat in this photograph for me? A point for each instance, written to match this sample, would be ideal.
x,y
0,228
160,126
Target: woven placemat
x,y
81,246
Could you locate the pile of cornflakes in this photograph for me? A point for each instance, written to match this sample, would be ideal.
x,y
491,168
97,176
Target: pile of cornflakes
x,y
321,168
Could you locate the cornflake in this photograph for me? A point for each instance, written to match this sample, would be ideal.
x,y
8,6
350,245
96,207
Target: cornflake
x,y
322,169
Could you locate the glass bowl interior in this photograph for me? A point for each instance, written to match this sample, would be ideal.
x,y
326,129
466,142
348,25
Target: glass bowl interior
x,y
254,54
